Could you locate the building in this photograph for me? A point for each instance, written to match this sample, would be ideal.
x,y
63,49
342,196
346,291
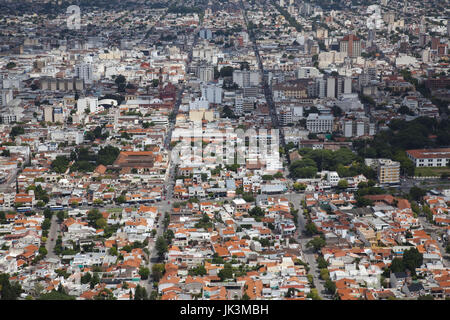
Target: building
x,y
5,97
212,92
316,123
351,46
331,87
205,73
388,170
246,78
357,128
90,103
53,114
84,71
430,157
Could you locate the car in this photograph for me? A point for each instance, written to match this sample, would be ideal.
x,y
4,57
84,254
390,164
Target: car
x,y
168,202
51,239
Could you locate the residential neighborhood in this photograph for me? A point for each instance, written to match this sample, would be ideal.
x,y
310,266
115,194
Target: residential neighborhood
x,y
224,150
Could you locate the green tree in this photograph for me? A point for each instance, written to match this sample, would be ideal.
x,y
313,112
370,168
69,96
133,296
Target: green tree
x,y
161,246
317,243
144,273
343,184
226,272
412,259
157,271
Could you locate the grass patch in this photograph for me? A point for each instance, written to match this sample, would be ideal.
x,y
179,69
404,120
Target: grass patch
x,y
431,172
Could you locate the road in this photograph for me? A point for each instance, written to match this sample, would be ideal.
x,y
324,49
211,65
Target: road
x,y
166,205
52,234
296,199
266,87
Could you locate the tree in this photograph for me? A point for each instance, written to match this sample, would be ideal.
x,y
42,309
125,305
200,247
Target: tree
x,y
416,193
198,271
330,286
256,212
226,272
8,290
60,164
397,265
157,271
299,186
311,229
161,246
317,243
412,259
144,273
140,293
94,280
86,278
343,184
55,295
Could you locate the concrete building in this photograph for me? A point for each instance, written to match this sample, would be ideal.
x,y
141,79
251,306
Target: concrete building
x,y
205,73
246,78
212,92
429,157
84,71
351,46
316,123
388,171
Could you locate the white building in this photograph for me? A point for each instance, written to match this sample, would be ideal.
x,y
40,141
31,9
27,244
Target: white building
x,y
90,103
316,123
84,71
430,157
212,92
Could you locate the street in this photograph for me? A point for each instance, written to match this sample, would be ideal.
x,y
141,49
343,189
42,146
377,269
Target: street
x,y
296,199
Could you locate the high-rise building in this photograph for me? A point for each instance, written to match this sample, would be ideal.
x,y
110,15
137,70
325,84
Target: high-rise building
x,y
388,170
205,73
53,114
84,71
246,78
351,45
48,114
331,87
5,97
212,92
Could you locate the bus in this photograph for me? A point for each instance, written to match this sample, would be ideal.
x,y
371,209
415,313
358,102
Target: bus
x,y
24,209
56,208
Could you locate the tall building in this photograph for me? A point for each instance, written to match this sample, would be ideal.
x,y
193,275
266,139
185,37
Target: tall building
x,y
351,45
53,114
84,71
435,42
48,114
388,171
212,92
331,87
205,73
246,78
5,97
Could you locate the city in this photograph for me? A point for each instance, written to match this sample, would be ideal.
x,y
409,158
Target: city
x,y
224,150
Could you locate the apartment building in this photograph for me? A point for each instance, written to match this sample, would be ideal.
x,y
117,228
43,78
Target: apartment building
x,y
388,171
316,123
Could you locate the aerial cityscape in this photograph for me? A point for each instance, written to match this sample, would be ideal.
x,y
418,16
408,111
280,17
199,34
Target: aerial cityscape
x,y
224,150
